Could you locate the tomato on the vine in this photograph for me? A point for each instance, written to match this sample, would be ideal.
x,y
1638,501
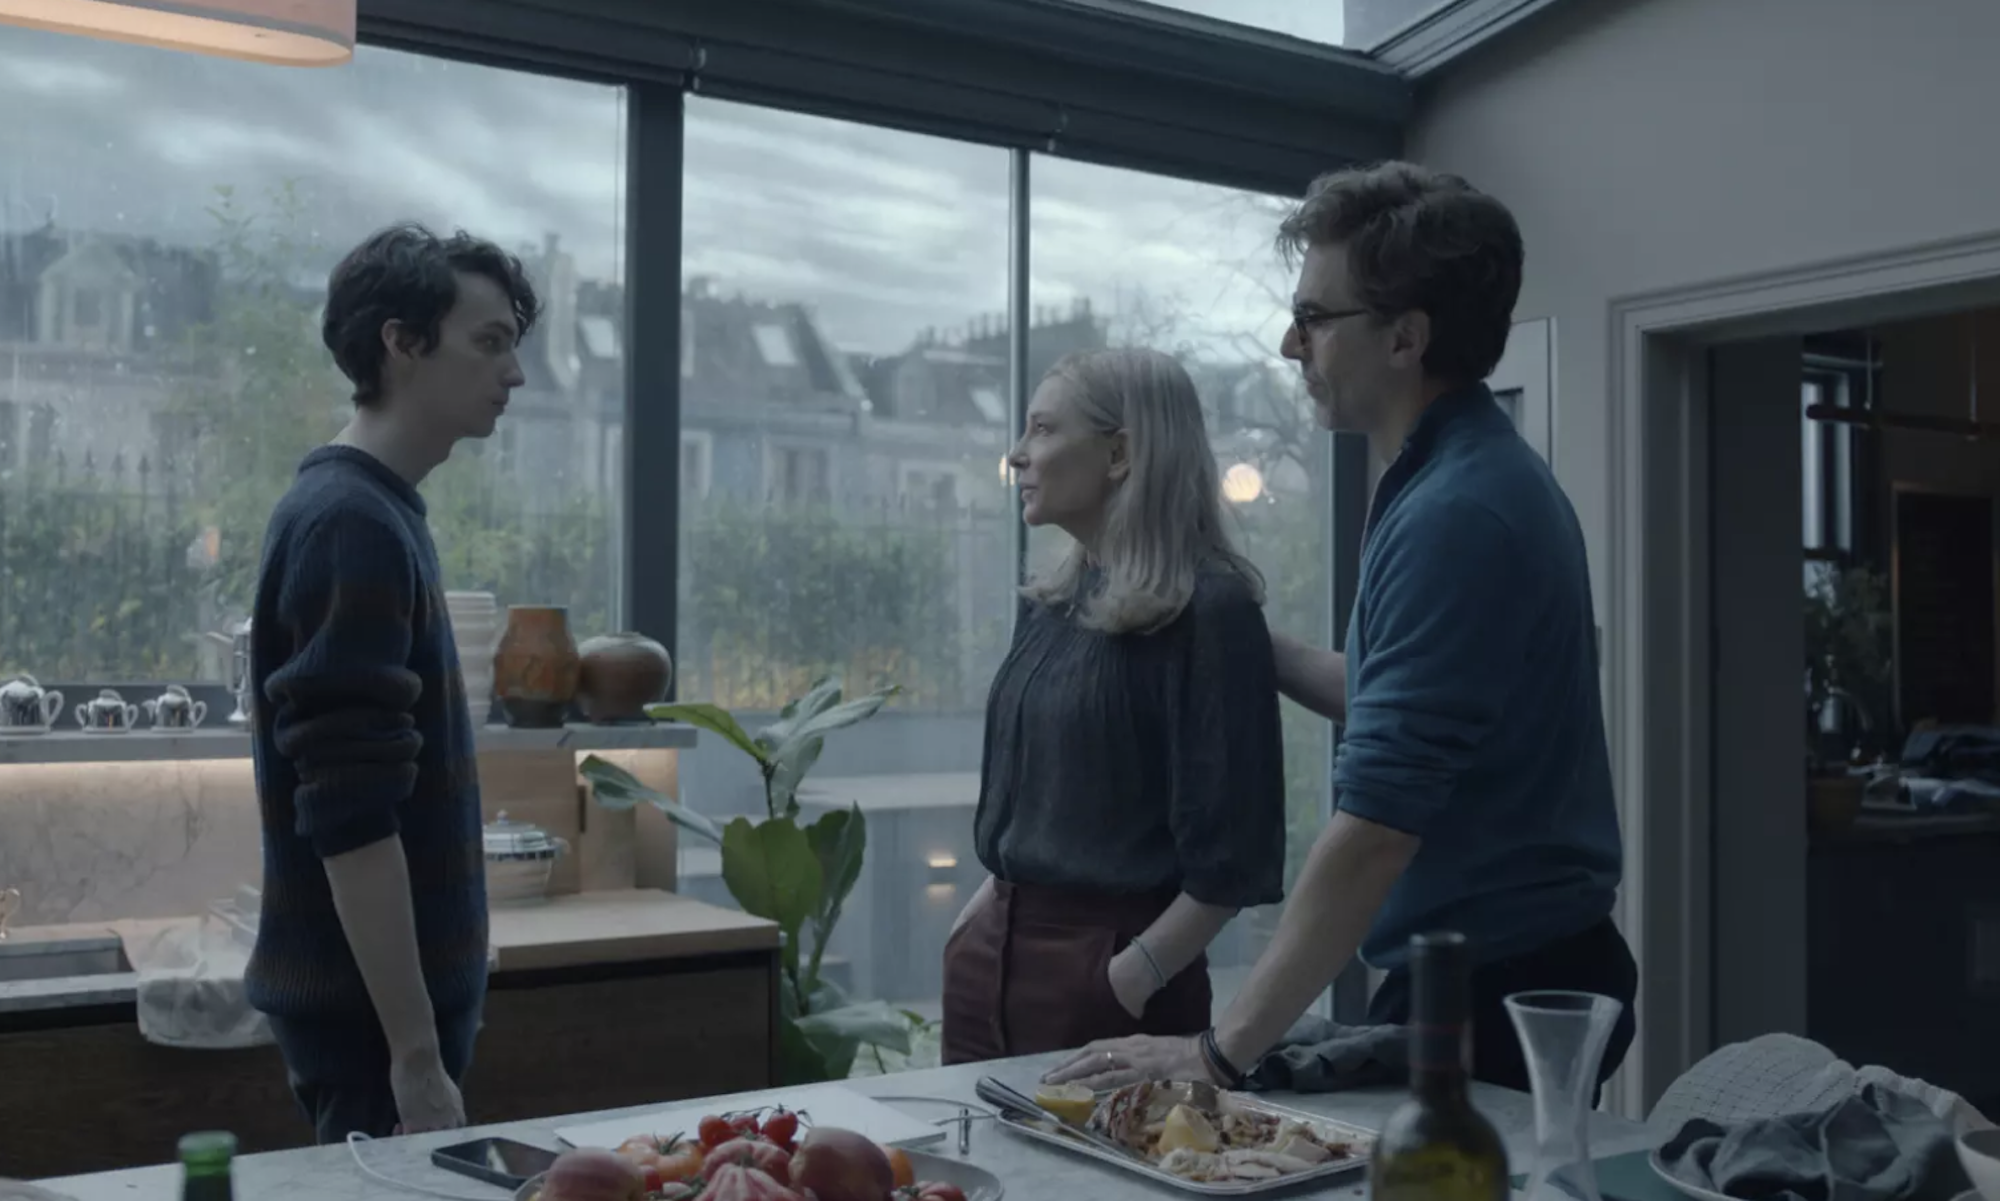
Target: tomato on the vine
x,y
782,1128
744,1125
714,1131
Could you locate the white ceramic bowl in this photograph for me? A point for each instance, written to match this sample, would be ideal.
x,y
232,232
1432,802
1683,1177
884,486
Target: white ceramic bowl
x,y
1979,1153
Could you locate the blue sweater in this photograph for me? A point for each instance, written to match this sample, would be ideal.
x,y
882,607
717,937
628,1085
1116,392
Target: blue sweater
x,y
1473,712
360,732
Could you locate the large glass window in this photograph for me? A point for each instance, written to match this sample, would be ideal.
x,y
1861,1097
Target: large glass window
x,y
1123,258
167,223
843,413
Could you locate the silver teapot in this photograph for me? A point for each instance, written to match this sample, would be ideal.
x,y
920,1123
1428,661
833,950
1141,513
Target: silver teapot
x,y
107,714
174,711
26,707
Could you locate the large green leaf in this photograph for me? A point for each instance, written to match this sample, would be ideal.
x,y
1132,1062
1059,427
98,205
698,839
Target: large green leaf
x,y
839,841
799,1062
772,872
713,718
872,1022
788,770
828,720
616,788
819,696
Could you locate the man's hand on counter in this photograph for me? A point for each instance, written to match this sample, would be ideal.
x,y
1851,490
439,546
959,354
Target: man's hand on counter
x,y
426,1098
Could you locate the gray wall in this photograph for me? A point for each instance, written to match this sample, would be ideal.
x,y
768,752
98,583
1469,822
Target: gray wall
x,y
1653,144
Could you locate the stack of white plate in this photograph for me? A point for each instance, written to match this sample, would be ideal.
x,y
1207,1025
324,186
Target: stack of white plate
x,y
475,625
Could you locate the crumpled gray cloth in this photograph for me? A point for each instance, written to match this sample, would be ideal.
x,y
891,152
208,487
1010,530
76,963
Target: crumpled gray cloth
x,y
1317,1056
1876,1144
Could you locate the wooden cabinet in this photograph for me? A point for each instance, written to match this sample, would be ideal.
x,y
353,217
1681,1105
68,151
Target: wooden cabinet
x,y
81,1091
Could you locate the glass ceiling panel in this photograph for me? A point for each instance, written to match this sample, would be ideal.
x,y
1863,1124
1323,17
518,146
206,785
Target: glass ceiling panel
x,y
1352,24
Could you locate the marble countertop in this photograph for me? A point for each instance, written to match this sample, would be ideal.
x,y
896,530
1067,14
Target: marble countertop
x,y
1028,1170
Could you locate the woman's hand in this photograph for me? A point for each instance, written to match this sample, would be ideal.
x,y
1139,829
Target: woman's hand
x,y
1116,1062
1131,981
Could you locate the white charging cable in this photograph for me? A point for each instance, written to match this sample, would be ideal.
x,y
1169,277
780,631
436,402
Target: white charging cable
x,y
354,1141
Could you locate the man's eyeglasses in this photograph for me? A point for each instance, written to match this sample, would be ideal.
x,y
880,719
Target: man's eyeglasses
x,y
1305,317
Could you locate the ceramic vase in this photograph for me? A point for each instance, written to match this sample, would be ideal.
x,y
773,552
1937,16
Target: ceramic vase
x,y
622,674
536,667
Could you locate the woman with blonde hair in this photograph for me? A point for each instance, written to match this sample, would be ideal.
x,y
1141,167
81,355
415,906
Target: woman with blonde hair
x,y
1132,793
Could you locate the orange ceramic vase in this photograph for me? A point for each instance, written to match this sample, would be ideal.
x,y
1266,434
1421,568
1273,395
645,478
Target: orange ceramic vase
x,y
536,667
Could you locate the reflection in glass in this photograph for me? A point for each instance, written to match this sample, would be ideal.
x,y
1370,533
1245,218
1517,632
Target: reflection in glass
x,y
166,226
843,410
1124,258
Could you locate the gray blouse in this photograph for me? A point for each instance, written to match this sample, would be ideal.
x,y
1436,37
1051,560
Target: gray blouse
x,y
1131,763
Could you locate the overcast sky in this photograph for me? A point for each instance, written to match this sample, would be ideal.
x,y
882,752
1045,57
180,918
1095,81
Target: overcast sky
x,y
883,233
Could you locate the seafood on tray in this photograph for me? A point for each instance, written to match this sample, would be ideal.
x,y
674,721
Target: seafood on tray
x,y
1203,1134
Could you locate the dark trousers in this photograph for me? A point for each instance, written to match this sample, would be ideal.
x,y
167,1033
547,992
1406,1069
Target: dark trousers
x,y
1027,974
1595,961
339,1071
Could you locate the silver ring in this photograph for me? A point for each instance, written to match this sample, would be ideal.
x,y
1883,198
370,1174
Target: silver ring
x,y
1110,1060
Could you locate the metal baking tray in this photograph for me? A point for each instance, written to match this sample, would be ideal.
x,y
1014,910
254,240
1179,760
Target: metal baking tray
x,y
1056,1134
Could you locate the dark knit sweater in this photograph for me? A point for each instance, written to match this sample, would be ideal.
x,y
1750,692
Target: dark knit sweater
x,y
360,732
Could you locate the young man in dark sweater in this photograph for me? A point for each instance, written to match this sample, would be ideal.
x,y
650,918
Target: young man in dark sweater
x,y
371,955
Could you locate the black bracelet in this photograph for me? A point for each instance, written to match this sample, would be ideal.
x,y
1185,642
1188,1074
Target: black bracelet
x,y
1218,1062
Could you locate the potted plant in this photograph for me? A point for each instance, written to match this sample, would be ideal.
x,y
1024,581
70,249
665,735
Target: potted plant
x,y
796,875
1847,678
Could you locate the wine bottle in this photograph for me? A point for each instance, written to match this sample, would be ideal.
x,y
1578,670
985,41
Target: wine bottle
x,y
1436,1146
205,1166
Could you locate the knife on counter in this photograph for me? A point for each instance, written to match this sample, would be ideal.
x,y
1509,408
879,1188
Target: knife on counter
x,y
1013,1103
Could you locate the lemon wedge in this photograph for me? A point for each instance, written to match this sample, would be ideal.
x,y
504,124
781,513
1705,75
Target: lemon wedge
x,y
1073,1103
1187,1128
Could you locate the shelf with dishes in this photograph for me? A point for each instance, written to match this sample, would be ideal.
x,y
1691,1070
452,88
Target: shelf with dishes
x,y
524,656
143,743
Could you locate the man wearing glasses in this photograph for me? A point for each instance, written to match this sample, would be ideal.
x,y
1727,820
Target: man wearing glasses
x,y
1473,787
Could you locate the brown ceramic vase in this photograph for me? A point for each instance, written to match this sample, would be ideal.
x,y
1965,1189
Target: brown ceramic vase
x,y
622,674
536,666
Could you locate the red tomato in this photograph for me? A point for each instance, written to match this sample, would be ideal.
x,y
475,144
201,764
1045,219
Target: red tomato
x,y
782,1127
937,1190
744,1124
714,1131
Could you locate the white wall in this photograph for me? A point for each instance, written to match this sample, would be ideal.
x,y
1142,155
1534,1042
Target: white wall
x,y
1654,144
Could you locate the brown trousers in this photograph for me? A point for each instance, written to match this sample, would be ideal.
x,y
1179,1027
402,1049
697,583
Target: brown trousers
x,y
1027,975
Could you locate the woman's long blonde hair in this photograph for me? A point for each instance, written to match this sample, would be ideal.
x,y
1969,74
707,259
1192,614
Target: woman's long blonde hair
x,y
1164,523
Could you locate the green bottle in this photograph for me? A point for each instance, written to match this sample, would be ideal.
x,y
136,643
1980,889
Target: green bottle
x,y
205,1160
1436,1146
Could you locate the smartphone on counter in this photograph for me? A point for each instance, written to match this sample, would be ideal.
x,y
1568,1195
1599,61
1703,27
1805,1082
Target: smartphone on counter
x,y
500,1161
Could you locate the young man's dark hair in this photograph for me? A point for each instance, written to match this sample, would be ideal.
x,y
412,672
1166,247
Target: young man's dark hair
x,y
409,275
1421,240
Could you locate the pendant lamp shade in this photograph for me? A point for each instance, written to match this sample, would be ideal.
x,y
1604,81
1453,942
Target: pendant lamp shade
x,y
294,33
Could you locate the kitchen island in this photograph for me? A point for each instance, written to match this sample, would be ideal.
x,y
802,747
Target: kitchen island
x,y
597,999
1028,1170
